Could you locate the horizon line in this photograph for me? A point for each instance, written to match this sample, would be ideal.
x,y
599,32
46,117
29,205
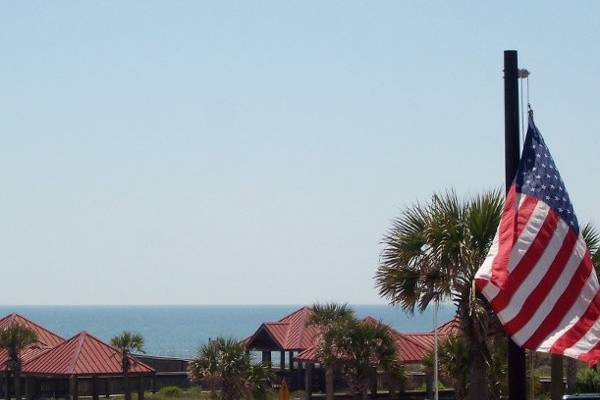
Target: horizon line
x,y
199,305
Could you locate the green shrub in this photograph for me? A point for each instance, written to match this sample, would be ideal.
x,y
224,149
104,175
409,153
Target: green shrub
x,y
588,380
171,391
194,392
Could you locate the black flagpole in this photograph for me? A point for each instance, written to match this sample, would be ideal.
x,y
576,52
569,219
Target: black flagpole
x,y
516,355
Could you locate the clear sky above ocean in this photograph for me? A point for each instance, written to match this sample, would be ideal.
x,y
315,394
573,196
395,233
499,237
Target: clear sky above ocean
x,y
255,152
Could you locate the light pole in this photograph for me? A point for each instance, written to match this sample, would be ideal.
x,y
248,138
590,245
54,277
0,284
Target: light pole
x,y
435,328
436,393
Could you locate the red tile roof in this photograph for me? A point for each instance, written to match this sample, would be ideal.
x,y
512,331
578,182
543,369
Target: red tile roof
x,y
451,327
32,352
309,355
83,354
45,338
411,348
289,333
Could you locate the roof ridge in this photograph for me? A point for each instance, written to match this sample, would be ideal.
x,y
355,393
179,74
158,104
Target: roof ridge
x,y
103,343
11,317
302,329
48,349
81,336
293,313
453,320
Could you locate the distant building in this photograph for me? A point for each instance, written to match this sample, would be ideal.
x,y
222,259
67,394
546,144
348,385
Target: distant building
x,y
297,346
81,365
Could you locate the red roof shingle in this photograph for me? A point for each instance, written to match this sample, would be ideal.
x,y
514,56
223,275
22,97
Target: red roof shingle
x,y
45,338
451,327
83,354
411,348
289,333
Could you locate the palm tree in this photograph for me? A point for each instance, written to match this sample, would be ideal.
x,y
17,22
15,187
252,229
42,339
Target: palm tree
x,y
225,364
127,342
14,339
432,253
328,317
259,381
453,359
204,369
362,349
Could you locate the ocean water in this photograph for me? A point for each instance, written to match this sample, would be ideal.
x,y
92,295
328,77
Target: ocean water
x,y
180,330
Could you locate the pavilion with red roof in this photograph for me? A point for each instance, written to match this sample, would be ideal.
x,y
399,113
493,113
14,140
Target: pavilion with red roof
x,y
411,348
45,338
84,356
290,334
54,365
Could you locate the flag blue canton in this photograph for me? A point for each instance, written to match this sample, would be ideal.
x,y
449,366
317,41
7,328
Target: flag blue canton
x,y
538,176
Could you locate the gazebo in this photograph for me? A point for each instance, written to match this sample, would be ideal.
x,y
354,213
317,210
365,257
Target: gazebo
x,y
45,337
290,334
411,348
45,340
82,358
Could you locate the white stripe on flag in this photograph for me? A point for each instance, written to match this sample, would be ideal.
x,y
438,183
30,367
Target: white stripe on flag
x,y
535,276
536,220
586,343
557,290
588,292
485,271
490,291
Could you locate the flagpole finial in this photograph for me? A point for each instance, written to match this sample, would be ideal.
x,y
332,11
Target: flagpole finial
x,y
523,73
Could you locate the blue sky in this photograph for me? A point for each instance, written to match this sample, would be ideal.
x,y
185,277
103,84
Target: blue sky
x,y
255,152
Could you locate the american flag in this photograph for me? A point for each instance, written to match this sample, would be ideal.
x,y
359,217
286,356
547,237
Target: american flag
x,y
538,275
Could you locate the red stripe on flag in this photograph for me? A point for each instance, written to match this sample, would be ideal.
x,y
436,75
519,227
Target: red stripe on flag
x,y
538,295
480,283
592,356
525,212
562,305
577,331
508,234
528,261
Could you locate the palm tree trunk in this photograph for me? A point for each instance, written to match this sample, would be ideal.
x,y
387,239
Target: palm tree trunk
x,y
127,388
125,367
17,384
7,377
478,388
373,382
329,382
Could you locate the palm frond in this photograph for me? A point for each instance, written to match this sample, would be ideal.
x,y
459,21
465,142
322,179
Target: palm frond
x,y
591,235
128,341
324,314
434,249
14,339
